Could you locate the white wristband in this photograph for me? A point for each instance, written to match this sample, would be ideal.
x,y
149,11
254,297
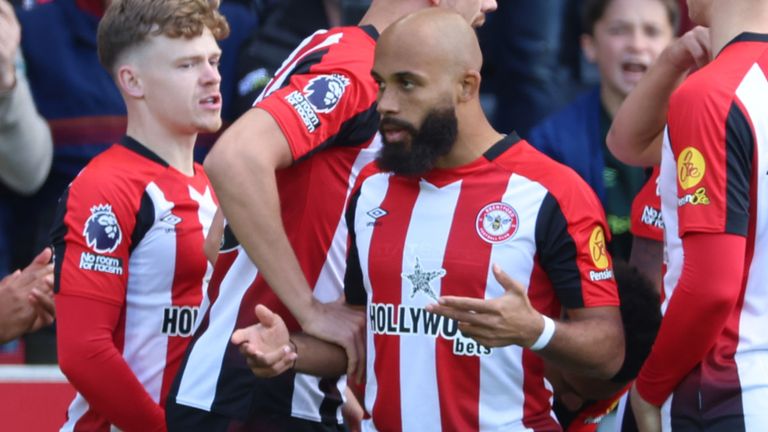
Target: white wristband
x,y
545,336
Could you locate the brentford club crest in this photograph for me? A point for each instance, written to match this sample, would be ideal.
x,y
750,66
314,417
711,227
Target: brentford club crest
x,y
496,222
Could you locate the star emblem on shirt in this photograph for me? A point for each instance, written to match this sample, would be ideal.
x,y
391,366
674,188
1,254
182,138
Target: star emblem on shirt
x,y
420,279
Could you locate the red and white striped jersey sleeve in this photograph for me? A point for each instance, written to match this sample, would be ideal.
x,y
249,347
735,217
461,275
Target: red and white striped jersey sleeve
x,y
94,242
320,103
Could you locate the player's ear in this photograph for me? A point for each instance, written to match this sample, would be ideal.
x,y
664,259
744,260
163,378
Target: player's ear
x,y
129,81
469,87
589,48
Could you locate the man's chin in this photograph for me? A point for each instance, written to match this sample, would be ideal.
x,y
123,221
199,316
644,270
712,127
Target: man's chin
x,y
209,127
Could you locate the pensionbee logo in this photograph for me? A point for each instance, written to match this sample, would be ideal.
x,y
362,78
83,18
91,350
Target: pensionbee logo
x,y
691,167
598,248
598,251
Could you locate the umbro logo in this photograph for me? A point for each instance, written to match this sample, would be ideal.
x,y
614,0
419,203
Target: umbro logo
x,y
376,214
169,222
170,219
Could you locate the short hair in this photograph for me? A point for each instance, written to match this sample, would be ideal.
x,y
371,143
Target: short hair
x,y
640,315
593,11
128,23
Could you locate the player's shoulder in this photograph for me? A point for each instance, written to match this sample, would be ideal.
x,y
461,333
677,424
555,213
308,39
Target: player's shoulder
x,y
527,161
347,49
567,188
716,84
116,171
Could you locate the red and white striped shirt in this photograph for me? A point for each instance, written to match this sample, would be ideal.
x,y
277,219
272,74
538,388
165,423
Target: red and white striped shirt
x,y
713,182
414,240
129,233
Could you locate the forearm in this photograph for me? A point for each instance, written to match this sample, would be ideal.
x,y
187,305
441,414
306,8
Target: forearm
x,y
91,362
589,346
696,314
317,357
636,133
26,148
243,174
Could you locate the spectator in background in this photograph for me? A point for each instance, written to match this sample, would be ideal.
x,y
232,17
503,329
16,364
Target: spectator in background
x,y
623,37
85,112
533,64
25,140
25,159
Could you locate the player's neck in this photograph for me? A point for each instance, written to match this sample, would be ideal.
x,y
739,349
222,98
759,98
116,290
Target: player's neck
x,y
729,20
174,148
475,137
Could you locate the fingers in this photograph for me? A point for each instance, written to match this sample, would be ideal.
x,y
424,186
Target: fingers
x,y
352,350
10,279
48,283
268,364
43,317
465,304
43,301
507,282
266,317
704,54
44,257
459,313
241,336
36,277
358,368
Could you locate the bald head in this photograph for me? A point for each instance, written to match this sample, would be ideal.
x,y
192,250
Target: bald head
x,y
427,65
435,35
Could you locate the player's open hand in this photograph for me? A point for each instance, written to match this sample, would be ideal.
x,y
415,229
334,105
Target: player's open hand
x,y
507,320
343,325
266,345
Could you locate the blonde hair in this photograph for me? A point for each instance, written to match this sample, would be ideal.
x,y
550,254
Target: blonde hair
x,y
128,23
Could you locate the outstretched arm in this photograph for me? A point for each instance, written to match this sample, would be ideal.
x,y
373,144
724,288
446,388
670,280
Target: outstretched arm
x,y
587,343
242,168
636,133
